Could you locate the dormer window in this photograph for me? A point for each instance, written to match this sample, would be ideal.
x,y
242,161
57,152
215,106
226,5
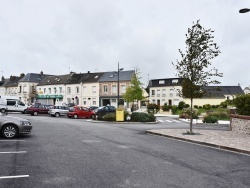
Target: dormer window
x,y
162,82
48,81
175,81
96,76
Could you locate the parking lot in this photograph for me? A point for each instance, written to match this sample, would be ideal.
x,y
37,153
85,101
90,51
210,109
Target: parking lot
x,y
63,152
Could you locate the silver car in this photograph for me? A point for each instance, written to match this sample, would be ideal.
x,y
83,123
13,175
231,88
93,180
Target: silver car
x,y
57,111
11,126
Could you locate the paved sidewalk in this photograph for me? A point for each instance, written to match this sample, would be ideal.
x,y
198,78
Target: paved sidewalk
x,y
227,140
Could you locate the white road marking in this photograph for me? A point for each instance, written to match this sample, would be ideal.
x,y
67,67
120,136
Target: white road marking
x,y
12,140
12,152
168,121
160,120
176,121
8,177
89,120
91,141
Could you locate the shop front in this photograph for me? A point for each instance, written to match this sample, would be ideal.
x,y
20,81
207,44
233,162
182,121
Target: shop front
x,y
49,99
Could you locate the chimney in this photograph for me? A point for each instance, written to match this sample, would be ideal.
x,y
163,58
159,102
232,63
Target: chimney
x,y
88,72
22,75
41,73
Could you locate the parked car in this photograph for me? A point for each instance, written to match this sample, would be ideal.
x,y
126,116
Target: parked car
x,y
57,111
101,111
93,107
80,112
39,109
11,126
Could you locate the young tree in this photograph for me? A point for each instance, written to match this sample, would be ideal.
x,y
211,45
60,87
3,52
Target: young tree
x,y
194,66
134,92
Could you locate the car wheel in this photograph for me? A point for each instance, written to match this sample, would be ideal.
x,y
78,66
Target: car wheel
x,y
57,114
35,113
75,116
24,112
9,131
3,110
69,117
93,116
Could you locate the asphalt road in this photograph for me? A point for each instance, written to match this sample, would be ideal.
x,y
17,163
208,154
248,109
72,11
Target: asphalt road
x,y
62,152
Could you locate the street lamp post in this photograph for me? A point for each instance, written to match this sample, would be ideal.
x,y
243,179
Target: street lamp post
x,y
244,10
118,87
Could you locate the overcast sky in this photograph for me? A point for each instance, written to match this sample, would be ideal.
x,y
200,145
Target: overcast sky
x,y
59,36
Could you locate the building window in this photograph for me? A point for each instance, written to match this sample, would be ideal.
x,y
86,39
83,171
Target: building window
x,y
163,92
154,101
175,81
93,89
158,93
161,81
20,89
49,90
123,89
68,90
60,90
105,89
84,103
114,90
94,103
44,90
152,92
84,89
77,89
171,93
24,89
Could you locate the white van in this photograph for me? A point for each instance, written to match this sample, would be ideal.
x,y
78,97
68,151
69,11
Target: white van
x,y
12,104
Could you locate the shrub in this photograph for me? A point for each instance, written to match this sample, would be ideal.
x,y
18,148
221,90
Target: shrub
x,y
210,119
181,105
213,106
223,104
207,106
200,107
142,117
166,107
242,103
109,117
153,108
174,109
196,106
186,106
186,112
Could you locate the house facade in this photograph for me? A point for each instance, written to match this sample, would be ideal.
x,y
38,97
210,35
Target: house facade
x,y
52,89
165,91
26,88
108,85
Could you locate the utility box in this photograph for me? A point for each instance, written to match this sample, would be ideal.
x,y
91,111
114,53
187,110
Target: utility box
x,y
119,114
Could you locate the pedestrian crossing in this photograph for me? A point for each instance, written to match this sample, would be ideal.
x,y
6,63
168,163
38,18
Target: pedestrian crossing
x,y
169,121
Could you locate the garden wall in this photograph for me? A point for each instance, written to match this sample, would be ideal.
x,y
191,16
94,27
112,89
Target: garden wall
x,y
240,123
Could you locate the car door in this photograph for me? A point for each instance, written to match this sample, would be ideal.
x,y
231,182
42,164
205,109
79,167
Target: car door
x,y
85,112
42,109
11,105
64,110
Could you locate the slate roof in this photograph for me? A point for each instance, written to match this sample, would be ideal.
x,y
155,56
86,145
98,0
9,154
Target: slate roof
x,y
112,76
54,80
11,82
33,77
167,82
221,91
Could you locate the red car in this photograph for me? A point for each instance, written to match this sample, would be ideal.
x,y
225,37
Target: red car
x,y
38,109
81,112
